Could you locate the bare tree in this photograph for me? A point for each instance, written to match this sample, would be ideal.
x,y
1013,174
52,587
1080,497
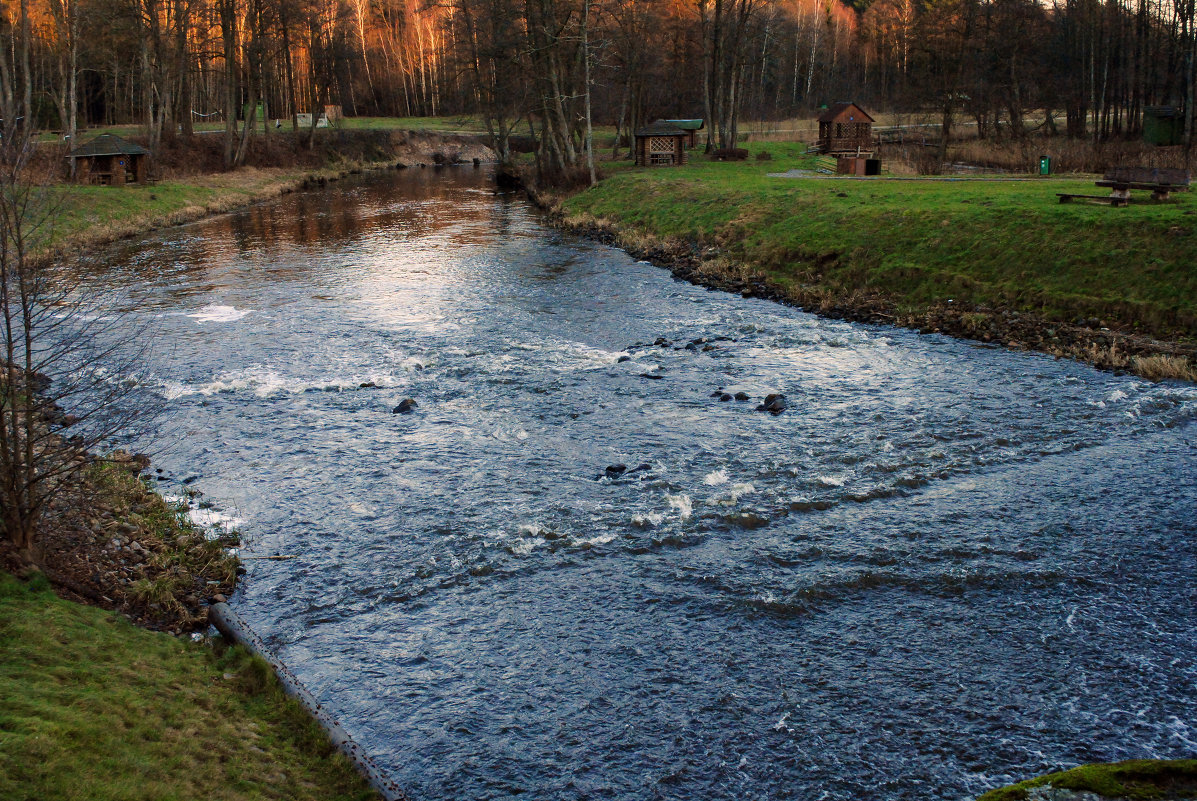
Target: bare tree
x,y
61,349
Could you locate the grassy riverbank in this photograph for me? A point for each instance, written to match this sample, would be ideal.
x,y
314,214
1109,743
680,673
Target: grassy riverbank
x,y
86,216
1134,779
92,707
991,259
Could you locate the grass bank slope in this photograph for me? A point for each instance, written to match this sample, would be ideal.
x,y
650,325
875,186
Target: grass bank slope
x,y
86,216
957,254
1136,779
93,708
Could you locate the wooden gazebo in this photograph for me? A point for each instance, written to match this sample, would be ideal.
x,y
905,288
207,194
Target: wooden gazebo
x,y
661,144
846,129
110,161
691,127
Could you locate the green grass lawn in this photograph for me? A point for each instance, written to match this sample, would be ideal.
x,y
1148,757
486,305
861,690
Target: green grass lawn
x,y
990,242
93,708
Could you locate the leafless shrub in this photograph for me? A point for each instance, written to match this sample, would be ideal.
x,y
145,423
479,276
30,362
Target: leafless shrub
x,y
65,356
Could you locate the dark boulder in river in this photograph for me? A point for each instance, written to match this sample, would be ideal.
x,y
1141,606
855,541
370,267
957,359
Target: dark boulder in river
x,y
406,406
773,404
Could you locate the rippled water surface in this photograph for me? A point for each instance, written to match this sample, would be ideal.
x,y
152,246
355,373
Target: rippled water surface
x,y
944,566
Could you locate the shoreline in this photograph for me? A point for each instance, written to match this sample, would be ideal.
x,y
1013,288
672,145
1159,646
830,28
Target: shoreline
x,y
704,264
190,198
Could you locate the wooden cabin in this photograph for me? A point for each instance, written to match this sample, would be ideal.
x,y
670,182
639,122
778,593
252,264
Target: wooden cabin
x,y
110,161
661,144
692,127
846,129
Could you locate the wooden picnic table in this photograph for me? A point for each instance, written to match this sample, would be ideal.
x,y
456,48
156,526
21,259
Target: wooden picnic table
x,y
1160,181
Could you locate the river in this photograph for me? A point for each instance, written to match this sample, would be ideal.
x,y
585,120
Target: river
x,y
944,566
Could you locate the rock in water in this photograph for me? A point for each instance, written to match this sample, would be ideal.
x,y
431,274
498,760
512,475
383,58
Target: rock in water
x,y
774,404
406,406
616,470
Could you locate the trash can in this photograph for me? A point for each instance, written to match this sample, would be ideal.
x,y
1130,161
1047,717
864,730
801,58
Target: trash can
x,y
1045,165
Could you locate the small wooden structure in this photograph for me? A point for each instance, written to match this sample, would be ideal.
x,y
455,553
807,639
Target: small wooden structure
x,y
845,129
1159,181
109,160
851,165
661,144
692,127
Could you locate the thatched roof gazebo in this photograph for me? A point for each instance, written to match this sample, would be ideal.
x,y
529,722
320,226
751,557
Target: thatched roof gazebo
x,y
109,160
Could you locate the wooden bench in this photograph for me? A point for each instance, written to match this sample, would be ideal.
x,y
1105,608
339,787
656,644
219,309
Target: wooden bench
x,y
1159,181
1113,199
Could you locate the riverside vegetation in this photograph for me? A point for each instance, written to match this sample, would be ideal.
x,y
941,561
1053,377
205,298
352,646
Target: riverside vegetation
x,y
996,260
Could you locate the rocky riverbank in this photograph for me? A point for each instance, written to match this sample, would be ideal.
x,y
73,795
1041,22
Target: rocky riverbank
x,y
110,540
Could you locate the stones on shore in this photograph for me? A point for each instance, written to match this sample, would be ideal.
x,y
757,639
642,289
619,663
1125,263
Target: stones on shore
x,y
406,406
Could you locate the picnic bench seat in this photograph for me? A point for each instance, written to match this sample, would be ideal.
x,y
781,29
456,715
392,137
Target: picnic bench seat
x,y
1159,181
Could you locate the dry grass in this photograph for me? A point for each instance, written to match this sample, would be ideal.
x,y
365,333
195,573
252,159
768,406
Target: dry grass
x,y
1022,156
1162,367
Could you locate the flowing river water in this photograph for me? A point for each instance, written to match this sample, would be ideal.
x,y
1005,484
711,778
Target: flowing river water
x,y
943,567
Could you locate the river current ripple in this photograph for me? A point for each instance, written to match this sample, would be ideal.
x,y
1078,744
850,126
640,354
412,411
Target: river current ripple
x,y
943,567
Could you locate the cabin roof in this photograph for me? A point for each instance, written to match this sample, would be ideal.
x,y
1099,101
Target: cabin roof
x,y
109,145
687,125
845,112
661,128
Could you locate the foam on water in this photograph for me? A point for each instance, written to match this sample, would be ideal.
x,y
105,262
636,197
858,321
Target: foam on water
x,y
264,382
716,477
683,505
215,313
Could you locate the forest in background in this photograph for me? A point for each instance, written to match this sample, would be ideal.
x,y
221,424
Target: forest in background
x,y
1088,69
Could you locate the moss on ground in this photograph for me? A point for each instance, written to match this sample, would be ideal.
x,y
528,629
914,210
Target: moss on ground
x,y
1137,779
93,708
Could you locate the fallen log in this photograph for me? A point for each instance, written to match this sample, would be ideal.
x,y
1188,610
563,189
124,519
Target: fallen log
x,y
234,628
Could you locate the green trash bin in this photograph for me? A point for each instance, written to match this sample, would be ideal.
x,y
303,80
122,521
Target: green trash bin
x,y
1045,165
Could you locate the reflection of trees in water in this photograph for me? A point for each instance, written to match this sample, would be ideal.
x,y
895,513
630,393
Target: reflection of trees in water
x,y
408,204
